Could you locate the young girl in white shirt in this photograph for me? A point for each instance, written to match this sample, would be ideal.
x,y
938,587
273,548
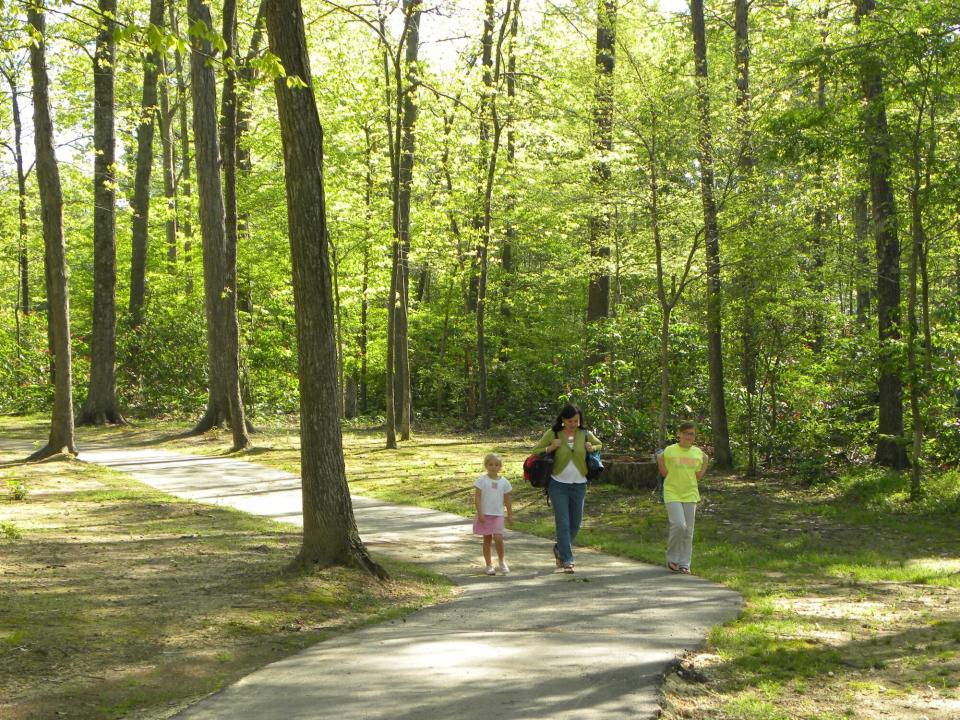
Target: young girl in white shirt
x,y
491,494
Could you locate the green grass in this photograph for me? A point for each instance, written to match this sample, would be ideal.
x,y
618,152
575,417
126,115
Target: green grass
x,y
850,587
120,601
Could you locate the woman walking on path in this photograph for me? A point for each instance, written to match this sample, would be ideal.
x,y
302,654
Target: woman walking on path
x,y
492,493
570,442
682,465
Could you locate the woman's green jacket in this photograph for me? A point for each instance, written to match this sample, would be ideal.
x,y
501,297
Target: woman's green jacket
x,y
564,453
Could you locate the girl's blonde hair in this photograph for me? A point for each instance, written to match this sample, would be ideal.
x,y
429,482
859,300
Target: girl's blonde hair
x,y
492,456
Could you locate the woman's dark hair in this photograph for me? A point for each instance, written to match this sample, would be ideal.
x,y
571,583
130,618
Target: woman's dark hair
x,y
568,412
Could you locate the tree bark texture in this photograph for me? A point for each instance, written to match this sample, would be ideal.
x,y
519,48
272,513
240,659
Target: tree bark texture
x,y
23,263
890,449
51,209
219,266
168,151
141,180
101,405
408,120
598,300
185,182
330,535
749,269
723,457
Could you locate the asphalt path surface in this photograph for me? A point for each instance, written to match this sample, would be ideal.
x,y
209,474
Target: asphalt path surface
x,y
536,643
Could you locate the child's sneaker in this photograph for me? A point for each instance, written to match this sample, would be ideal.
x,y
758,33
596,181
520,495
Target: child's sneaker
x,y
490,570
503,567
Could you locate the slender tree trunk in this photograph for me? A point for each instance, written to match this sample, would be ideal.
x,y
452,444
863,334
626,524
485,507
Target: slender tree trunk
x,y
890,449
483,222
861,224
165,121
598,300
913,366
510,202
723,457
219,260
51,208
819,243
338,328
365,280
408,121
330,533
486,93
23,264
186,182
101,406
746,277
141,181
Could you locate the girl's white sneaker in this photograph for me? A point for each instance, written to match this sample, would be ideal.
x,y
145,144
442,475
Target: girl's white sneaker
x,y
490,570
503,568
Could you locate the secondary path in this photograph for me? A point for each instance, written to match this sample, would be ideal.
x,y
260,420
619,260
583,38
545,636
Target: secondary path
x,y
532,644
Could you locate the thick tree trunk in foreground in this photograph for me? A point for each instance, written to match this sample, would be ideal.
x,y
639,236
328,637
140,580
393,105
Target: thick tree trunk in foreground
x,y
141,181
101,406
722,455
890,449
330,535
219,267
51,209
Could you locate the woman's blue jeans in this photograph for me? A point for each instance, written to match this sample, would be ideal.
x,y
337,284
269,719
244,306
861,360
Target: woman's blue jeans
x,y
567,500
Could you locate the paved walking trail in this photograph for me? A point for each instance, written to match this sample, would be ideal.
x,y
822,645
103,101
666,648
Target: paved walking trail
x,y
532,644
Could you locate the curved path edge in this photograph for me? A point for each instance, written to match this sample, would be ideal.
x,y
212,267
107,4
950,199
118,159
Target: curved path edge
x,y
532,644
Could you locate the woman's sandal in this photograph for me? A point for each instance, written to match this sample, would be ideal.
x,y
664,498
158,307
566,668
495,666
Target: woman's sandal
x,y
685,571
674,567
568,568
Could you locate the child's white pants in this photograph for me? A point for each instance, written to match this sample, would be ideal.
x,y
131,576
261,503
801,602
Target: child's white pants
x,y
682,517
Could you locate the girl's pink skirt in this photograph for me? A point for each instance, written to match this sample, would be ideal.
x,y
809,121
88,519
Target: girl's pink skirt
x,y
491,525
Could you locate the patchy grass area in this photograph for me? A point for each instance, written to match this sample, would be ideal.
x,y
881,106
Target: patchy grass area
x,y
852,594
119,601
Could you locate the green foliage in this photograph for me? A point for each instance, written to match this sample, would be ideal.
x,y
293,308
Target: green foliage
x,y
9,531
800,351
18,490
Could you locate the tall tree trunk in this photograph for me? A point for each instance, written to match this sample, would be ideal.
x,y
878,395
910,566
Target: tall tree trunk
x,y
338,329
165,121
365,280
101,406
483,222
218,262
141,181
819,242
330,533
746,276
723,457
598,300
487,230
23,264
510,202
913,330
408,121
51,209
861,224
890,449
483,117
186,182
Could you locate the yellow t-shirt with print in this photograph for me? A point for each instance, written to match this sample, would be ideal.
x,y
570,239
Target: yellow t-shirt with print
x,y
682,465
